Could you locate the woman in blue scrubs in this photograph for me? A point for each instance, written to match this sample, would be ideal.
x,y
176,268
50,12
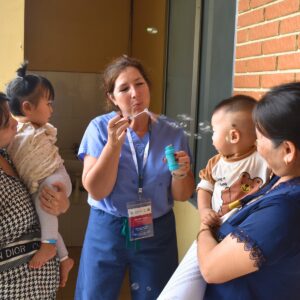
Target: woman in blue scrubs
x,y
255,254
131,191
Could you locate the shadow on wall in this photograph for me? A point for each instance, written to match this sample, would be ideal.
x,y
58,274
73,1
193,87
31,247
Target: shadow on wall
x,y
78,99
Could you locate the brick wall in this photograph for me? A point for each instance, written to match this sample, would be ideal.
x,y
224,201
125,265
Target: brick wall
x,y
267,45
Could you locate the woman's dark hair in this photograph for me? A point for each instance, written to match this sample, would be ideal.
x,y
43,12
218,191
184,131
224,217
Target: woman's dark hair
x,y
277,114
114,69
4,112
27,88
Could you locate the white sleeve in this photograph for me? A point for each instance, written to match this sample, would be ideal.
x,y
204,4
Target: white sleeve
x,y
205,185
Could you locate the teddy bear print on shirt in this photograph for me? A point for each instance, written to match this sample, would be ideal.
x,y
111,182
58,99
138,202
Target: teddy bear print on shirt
x,y
244,186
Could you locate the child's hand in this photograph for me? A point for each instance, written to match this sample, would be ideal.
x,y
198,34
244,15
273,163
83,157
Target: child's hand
x,y
210,218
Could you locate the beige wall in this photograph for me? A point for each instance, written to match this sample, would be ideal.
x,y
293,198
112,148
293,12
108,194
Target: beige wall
x,y
75,36
150,48
188,222
84,38
11,38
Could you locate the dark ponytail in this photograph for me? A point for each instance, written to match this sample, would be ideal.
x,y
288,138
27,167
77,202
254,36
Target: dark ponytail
x,y
27,88
21,72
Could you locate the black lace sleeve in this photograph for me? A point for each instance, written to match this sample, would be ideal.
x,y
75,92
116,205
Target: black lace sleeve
x,y
249,245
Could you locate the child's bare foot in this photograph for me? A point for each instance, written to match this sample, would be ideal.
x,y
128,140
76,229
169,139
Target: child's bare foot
x,y
65,267
45,253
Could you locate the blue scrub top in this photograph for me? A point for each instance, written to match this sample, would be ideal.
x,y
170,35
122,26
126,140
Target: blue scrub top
x,y
269,227
156,176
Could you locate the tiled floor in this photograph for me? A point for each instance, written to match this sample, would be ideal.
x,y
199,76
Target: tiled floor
x,y
67,293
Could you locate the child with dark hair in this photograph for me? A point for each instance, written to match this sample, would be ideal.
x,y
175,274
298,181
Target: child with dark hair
x,y
37,159
238,169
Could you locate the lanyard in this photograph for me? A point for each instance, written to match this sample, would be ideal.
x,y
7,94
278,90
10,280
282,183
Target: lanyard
x,y
134,157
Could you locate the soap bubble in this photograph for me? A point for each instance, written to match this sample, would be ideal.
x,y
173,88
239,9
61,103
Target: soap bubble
x,y
163,117
204,127
184,121
174,124
148,289
184,117
135,286
197,136
183,124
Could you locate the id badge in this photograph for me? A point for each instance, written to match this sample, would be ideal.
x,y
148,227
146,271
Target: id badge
x,y
140,220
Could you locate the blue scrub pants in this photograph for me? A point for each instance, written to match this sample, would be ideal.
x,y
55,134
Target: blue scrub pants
x,y
105,258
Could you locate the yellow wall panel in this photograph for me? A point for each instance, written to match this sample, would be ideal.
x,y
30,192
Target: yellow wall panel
x,y
188,223
11,38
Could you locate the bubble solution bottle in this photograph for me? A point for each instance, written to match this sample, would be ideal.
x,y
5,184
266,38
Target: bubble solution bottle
x,y
172,163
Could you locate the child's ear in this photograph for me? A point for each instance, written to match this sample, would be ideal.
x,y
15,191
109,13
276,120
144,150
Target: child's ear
x,y
26,108
234,136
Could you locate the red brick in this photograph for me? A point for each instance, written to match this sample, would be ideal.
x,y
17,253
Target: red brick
x,y
246,81
240,66
279,45
270,80
252,17
261,64
243,5
290,25
289,61
297,76
242,36
281,8
263,31
248,50
256,3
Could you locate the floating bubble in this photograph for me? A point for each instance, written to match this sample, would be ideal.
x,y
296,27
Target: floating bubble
x,y
184,117
205,127
183,125
135,286
163,117
197,136
187,133
148,289
174,124
184,121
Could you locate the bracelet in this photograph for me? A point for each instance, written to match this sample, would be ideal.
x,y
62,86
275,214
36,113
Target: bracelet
x,y
178,176
201,230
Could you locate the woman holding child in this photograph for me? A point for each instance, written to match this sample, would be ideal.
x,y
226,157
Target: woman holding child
x,y
19,226
255,254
